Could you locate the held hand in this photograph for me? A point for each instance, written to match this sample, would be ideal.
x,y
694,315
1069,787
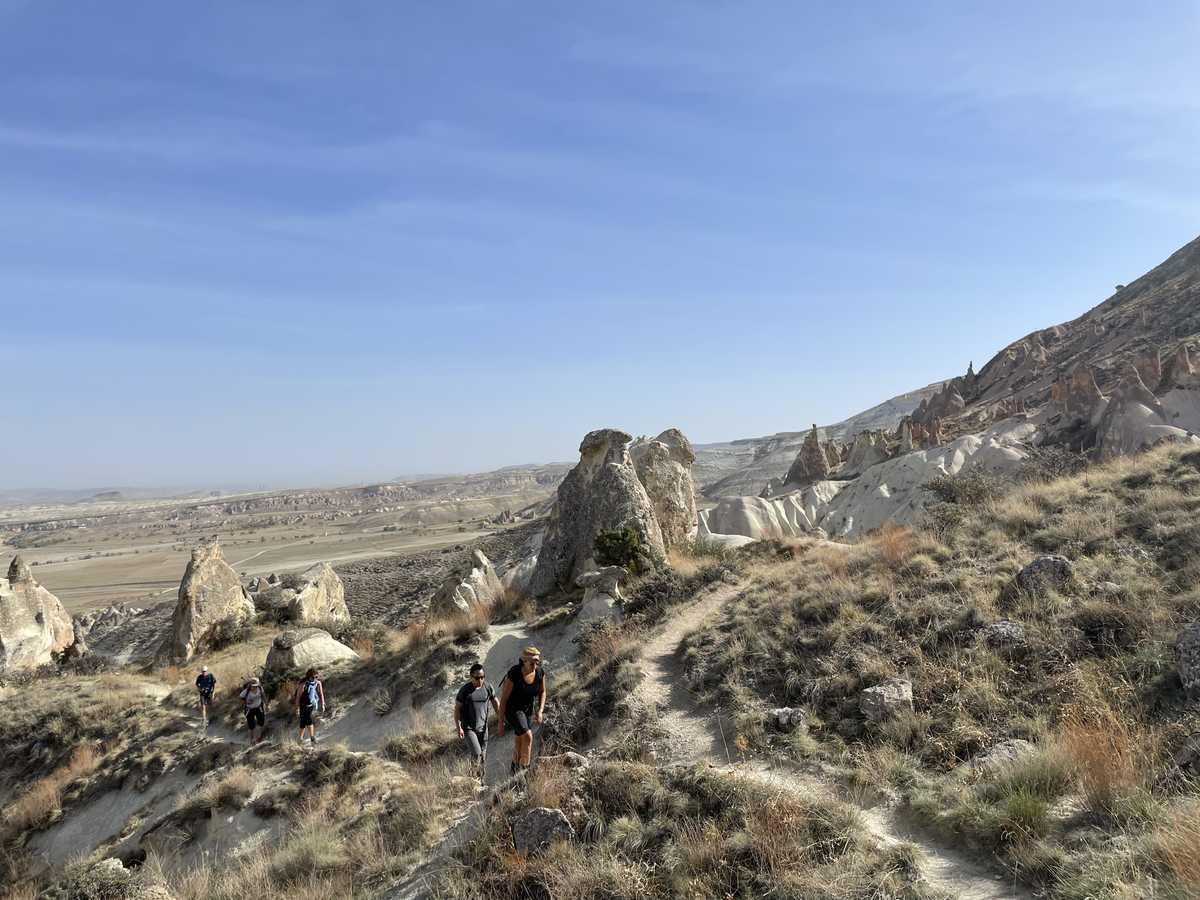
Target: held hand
x,y
537,717
461,733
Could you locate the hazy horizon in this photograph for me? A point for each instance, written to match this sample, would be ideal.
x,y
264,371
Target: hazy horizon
x,y
297,245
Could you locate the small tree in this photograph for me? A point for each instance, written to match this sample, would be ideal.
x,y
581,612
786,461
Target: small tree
x,y
622,547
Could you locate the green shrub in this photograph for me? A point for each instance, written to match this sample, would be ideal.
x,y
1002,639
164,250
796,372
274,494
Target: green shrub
x,y
622,547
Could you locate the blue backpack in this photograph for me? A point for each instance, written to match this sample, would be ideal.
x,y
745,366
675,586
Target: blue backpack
x,y
312,695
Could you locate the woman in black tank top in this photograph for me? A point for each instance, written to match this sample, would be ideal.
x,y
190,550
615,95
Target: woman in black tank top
x,y
522,703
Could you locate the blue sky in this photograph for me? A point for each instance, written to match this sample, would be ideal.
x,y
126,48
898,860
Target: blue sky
x,y
290,243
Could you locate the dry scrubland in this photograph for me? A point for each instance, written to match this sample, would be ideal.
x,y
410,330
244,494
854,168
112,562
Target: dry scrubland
x,y
1099,808
1096,809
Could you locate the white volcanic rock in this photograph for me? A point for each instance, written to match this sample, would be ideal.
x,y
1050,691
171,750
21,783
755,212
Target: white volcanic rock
x,y
211,597
298,650
33,623
869,449
892,490
602,493
1135,420
601,591
463,594
321,599
664,466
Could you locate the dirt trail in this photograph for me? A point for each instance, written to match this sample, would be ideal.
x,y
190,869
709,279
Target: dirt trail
x,y
700,735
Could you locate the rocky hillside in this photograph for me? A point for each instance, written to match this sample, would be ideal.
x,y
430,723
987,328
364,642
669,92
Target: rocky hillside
x,y
1155,314
741,467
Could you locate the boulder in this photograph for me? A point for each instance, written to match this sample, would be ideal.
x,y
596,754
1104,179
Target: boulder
x,y
1002,756
1045,571
211,598
601,591
33,623
298,650
602,493
320,599
536,829
887,700
463,594
788,718
1004,633
1187,658
664,467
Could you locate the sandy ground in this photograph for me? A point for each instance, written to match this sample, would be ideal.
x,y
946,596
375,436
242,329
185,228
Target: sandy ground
x,y
142,574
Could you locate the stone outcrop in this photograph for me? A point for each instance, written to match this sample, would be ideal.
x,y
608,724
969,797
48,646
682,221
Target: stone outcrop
x,y
463,594
536,829
1045,572
1134,420
34,626
812,463
887,700
295,651
602,493
601,592
1187,658
320,598
211,598
664,466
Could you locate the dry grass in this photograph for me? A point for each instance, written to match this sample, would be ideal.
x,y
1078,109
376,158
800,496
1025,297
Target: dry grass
x,y
549,784
1113,756
1178,844
364,647
894,543
41,804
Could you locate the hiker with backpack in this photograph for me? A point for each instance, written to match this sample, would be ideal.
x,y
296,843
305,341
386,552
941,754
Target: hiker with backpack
x,y
206,685
522,704
471,715
254,704
309,699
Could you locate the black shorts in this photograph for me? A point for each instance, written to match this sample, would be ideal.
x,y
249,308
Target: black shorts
x,y
306,716
518,720
256,717
206,698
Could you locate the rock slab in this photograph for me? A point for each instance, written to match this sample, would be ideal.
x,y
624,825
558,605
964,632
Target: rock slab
x,y
536,829
301,649
887,700
664,466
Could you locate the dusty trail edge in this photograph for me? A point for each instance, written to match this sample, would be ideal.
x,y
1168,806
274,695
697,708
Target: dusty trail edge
x,y
701,736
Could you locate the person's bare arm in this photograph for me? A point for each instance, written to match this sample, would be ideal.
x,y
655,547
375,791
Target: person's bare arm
x,y
541,703
505,690
458,718
321,691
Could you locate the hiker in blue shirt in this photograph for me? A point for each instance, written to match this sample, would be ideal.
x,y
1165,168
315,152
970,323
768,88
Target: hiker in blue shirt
x,y
309,699
206,684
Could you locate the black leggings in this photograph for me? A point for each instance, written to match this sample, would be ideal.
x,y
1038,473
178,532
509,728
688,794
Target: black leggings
x,y
256,716
518,720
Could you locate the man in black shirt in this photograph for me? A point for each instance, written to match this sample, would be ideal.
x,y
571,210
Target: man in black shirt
x,y
206,685
471,714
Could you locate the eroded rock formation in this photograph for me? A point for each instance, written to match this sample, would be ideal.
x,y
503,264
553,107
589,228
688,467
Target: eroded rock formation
x,y
320,598
211,598
463,594
602,493
295,651
33,623
812,463
664,467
